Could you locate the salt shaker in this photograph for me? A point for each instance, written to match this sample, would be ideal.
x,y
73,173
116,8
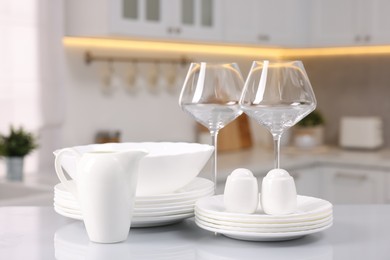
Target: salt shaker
x,y
241,192
278,193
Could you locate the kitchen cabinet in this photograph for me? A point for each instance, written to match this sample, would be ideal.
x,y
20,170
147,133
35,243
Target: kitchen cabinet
x,y
379,21
341,184
276,23
348,185
162,19
349,22
387,188
308,181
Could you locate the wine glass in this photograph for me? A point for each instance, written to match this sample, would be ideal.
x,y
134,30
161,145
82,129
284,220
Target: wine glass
x,y
277,95
210,94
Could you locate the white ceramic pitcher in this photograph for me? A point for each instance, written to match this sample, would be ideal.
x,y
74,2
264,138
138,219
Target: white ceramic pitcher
x,y
105,187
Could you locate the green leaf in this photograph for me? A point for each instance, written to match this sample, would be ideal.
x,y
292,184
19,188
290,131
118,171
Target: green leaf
x,y
315,118
18,143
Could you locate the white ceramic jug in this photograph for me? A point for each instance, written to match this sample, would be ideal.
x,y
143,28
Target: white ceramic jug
x,y
105,187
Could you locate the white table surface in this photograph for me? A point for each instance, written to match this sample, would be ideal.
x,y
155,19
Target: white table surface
x,y
359,232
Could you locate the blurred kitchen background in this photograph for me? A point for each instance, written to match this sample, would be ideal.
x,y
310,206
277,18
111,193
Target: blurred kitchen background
x,y
128,88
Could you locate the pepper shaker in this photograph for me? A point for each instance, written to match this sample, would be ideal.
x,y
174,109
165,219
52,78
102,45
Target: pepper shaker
x,y
278,193
241,192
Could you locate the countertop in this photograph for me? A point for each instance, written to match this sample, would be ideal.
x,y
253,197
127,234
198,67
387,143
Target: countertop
x,y
37,188
359,232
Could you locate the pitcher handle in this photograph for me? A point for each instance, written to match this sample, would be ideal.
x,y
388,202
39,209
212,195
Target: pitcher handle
x,y
60,172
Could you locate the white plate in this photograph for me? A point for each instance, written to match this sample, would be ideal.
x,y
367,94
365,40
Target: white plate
x,y
66,210
197,188
307,207
60,190
158,208
165,209
268,229
161,208
236,221
139,221
155,204
66,203
262,225
159,221
136,213
68,215
147,206
253,236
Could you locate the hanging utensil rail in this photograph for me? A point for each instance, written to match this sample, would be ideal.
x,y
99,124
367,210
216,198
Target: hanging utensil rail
x,y
89,58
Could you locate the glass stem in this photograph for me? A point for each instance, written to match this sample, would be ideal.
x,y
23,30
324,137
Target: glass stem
x,y
214,142
277,150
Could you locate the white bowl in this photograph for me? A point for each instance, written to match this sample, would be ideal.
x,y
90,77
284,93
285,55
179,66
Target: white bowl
x,y
167,167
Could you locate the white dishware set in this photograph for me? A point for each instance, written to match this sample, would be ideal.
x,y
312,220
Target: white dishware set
x,y
106,180
115,186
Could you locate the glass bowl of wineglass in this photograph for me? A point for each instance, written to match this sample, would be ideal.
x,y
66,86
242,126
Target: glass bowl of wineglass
x,y
210,94
277,95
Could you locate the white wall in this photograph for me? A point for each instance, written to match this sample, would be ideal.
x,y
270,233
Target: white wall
x,y
30,74
143,116
140,116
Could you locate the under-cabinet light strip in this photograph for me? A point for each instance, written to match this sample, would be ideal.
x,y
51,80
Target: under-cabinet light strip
x,y
179,48
336,51
230,50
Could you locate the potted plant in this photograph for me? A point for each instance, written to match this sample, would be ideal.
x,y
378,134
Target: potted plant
x,y
13,148
309,132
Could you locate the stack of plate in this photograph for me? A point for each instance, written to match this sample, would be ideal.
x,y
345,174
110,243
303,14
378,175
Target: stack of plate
x,y
312,215
149,211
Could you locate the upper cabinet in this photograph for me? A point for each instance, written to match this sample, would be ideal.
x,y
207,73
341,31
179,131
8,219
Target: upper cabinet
x,y
349,22
264,22
285,23
176,19
379,22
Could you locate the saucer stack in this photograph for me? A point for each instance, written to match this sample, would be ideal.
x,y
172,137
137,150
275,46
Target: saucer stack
x,y
156,210
312,215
